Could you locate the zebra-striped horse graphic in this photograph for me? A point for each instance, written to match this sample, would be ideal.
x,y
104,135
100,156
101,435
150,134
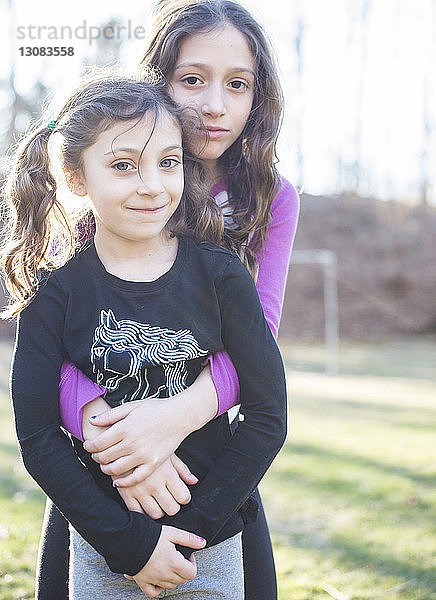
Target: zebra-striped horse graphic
x,y
136,360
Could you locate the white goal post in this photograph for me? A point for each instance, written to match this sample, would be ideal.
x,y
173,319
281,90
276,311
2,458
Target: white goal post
x,y
329,262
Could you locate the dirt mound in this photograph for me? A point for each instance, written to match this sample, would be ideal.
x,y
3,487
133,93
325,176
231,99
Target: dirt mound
x,y
386,255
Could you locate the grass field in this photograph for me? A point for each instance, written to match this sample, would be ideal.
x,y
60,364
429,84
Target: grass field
x,y
350,499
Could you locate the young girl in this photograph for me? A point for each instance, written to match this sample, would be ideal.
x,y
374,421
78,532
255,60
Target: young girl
x,y
216,58
137,308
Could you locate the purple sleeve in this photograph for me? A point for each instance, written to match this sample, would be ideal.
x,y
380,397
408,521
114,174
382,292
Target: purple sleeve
x,y
75,390
271,282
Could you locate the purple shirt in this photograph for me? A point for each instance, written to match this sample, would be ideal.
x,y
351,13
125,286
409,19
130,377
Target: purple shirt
x,y
76,390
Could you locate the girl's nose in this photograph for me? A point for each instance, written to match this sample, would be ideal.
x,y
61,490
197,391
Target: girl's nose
x,y
150,185
213,104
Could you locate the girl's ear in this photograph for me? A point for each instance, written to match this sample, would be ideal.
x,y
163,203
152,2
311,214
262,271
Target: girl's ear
x,y
75,182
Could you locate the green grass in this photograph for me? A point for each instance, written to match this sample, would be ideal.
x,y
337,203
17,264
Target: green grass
x,y
350,499
21,506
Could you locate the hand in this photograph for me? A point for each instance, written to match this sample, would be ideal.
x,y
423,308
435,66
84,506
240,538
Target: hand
x,y
121,447
163,423
167,567
162,492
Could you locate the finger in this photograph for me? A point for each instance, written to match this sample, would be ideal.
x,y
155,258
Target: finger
x,y
119,467
138,475
170,584
113,415
118,452
111,454
187,568
193,561
119,481
166,501
151,507
186,538
191,572
151,591
178,490
173,578
183,470
105,440
133,505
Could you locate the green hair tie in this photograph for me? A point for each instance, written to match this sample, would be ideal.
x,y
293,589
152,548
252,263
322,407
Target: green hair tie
x,y
51,125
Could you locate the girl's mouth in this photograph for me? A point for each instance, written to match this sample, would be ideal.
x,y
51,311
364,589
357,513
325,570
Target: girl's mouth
x,y
147,211
214,133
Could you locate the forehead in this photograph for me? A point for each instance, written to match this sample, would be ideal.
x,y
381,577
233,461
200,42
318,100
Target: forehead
x,y
152,128
222,47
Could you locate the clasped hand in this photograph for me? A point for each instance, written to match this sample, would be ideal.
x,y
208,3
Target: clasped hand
x,y
150,478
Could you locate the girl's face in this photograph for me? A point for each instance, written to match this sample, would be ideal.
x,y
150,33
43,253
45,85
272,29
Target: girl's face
x,y
215,73
134,181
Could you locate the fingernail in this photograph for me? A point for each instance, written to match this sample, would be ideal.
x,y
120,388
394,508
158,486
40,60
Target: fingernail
x,y
115,484
94,417
202,540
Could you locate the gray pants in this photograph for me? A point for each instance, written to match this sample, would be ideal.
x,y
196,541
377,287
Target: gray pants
x,y
220,575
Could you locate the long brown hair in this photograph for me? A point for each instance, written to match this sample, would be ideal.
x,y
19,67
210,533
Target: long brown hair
x,y
249,164
41,234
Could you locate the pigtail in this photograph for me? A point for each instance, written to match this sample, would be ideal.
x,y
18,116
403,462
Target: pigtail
x,y
34,216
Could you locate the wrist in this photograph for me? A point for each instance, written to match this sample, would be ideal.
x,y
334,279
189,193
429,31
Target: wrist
x,y
96,406
197,405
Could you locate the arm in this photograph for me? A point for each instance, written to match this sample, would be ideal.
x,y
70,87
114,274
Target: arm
x,y
125,539
246,456
179,417
164,422
271,283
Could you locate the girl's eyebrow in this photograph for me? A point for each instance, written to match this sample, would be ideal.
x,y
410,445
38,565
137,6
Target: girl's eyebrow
x,y
138,150
199,65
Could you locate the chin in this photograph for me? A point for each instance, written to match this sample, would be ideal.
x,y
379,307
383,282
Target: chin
x,y
212,156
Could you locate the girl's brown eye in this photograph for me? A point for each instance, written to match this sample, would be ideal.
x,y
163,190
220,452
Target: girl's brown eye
x,y
238,85
191,80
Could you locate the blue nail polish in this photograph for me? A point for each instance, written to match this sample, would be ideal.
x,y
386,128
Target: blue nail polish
x,y
94,417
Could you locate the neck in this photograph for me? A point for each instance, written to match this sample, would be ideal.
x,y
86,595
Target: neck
x,y
145,260
213,171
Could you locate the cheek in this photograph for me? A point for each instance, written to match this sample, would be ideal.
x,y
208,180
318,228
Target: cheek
x,y
243,117
177,93
175,188
247,108
185,98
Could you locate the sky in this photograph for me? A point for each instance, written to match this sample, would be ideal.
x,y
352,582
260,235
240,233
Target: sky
x,y
363,90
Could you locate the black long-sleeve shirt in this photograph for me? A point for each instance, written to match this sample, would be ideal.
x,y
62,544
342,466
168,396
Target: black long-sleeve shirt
x,y
148,339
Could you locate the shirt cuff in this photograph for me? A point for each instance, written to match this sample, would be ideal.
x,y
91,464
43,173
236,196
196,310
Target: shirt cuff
x,y
75,391
226,381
